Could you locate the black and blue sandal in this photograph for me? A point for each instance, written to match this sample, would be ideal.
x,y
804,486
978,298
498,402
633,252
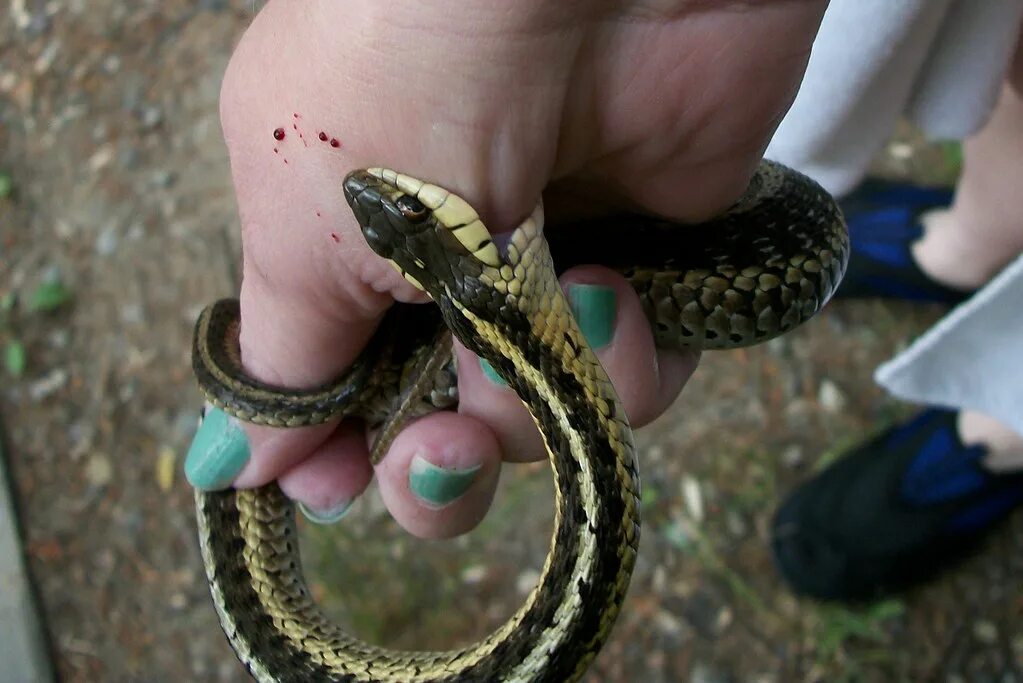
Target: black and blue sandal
x,y
884,221
891,514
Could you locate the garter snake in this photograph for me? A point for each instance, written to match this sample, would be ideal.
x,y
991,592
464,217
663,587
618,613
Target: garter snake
x,y
760,269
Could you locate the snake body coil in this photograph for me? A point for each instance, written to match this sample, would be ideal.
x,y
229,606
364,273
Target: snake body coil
x,y
762,268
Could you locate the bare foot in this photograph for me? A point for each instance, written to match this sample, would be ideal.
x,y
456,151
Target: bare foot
x,y
1005,446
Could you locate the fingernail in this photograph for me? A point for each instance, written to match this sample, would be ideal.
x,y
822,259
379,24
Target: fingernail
x,y
491,373
218,452
594,310
438,486
328,516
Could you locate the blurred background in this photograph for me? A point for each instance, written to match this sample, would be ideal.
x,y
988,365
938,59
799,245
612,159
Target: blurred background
x,y
117,224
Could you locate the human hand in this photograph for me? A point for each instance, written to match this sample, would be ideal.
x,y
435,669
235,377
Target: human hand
x,y
665,105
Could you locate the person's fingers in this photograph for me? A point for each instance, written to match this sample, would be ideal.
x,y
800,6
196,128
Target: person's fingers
x,y
307,311
484,396
609,312
647,379
439,475
327,482
283,343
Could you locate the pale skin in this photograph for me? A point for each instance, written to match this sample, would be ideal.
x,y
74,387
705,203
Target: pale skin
x,y
967,244
665,105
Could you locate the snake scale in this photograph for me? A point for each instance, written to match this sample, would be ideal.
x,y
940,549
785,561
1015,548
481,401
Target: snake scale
x,y
758,270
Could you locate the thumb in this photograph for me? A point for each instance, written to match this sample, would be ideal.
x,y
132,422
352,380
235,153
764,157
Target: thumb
x,y
307,313
289,341
285,341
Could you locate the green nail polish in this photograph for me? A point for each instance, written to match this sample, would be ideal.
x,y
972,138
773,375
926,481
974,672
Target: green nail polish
x,y
594,308
438,486
218,452
491,373
328,516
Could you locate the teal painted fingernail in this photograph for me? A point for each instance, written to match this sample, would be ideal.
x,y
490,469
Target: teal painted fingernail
x,y
218,452
438,486
328,516
491,373
594,309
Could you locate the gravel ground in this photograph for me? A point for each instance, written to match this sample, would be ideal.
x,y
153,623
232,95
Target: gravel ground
x,y
117,224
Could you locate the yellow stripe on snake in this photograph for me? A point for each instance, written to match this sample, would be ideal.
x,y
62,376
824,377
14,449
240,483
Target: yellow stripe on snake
x,y
760,269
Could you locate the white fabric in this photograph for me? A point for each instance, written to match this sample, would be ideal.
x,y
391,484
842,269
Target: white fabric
x,y
940,63
972,358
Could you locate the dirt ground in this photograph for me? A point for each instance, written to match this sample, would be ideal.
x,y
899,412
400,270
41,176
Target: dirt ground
x,y
117,224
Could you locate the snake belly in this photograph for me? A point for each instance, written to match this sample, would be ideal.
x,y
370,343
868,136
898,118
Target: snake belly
x,y
760,269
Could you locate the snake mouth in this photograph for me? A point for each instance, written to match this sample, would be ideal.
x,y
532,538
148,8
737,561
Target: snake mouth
x,y
423,231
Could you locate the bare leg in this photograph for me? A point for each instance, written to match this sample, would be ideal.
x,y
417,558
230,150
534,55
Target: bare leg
x,y
967,244
830,556
1005,446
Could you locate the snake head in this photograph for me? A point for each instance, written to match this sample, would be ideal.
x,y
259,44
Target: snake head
x,y
434,238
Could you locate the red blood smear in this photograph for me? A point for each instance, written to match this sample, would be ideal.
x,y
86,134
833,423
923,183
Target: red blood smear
x,y
334,236
295,126
296,116
285,161
323,136
279,134
334,142
276,151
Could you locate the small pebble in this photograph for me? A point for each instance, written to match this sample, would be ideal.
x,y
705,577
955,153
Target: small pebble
x,y
830,397
900,150
8,80
668,624
59,339
737,527
21,16
99,470
474,574
778,346
52,382
793,457
132,314
704,674
111,64
163,178
106,243
151,117
985,632
65,230
693,497
101,158
46,58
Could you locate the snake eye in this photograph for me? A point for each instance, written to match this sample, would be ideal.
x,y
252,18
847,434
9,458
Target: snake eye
x,y
411,208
